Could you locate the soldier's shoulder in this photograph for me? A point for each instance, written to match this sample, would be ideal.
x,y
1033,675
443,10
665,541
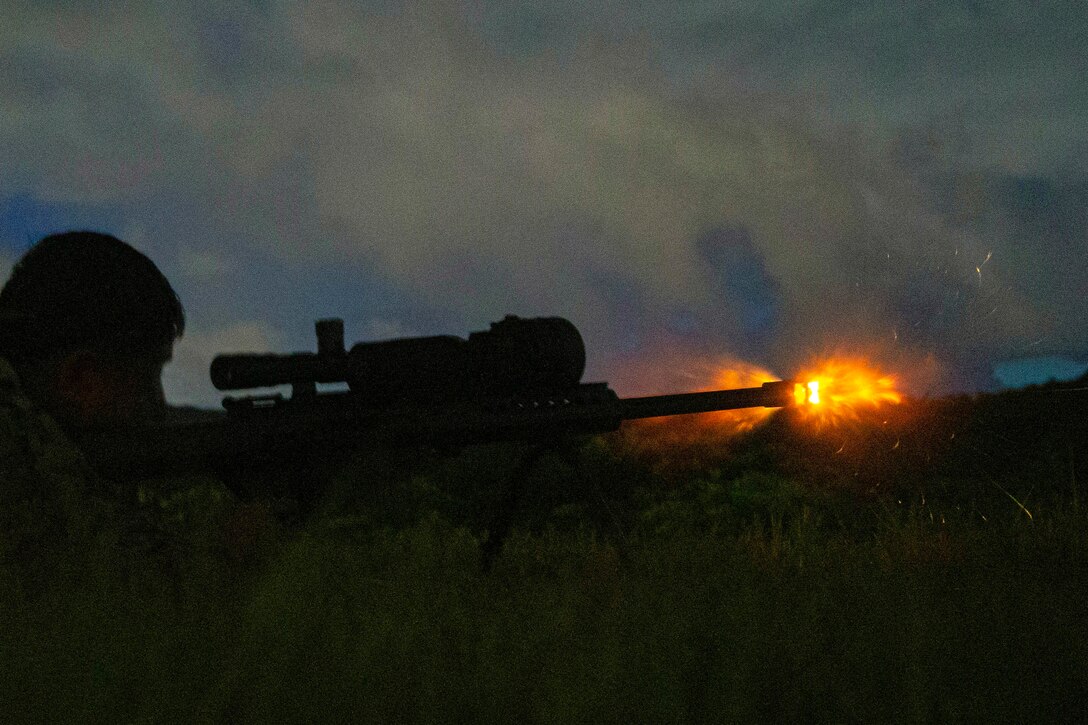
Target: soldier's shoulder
x,y
45,509
17,412
11,391
31,429
7,371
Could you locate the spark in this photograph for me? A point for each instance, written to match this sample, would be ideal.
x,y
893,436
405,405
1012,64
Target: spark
x,y
1013,498
978,269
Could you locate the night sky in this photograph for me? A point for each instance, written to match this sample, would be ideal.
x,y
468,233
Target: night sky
x,y
686,181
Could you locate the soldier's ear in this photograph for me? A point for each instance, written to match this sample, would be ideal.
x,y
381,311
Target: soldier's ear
x,y
83,383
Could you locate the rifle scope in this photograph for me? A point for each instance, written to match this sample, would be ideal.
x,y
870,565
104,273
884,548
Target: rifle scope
x,y
514,355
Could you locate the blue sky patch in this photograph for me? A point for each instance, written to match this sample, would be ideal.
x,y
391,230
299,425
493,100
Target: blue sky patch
x,y
1038,370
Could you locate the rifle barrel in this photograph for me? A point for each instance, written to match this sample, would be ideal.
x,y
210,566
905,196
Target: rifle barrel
x,y
775,394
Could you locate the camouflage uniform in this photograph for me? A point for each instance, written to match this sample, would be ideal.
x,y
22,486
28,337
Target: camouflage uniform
x,y
47,509
57,517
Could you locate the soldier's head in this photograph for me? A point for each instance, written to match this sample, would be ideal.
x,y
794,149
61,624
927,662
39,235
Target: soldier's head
x,y
88,323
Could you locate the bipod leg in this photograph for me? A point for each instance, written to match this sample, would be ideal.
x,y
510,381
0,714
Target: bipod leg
x,y
503,520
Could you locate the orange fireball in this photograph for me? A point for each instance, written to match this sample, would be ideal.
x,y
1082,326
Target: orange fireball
x,y
837,389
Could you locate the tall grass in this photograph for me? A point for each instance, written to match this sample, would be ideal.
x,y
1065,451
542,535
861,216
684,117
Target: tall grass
x,y
621,595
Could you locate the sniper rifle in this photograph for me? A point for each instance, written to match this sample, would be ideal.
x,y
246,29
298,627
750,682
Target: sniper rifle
x,y
519,380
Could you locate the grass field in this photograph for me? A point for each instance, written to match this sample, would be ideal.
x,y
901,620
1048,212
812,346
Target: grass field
x,y
882,573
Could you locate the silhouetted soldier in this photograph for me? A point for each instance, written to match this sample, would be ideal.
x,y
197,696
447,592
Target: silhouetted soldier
x,y
86,325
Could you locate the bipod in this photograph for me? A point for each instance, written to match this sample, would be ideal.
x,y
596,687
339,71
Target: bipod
x,y
502,523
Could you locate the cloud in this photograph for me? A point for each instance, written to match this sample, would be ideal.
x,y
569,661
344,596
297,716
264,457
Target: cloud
x,y
382,329
186,381
473,172
202,263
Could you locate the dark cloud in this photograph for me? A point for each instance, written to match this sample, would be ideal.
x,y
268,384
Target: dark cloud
x,y
743,284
